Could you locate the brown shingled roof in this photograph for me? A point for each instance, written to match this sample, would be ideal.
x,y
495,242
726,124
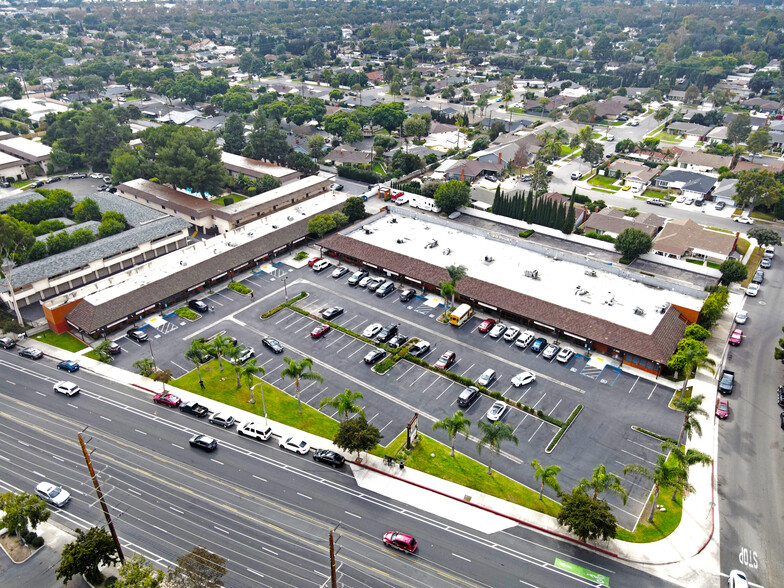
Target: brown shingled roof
x,y
657,346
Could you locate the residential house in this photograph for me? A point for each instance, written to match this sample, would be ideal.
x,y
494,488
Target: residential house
x,y
684,238
690,184
344,155
609,109
763,105
725,191
703,162
612,222
690,130
757,122
636,175
467,169
506,151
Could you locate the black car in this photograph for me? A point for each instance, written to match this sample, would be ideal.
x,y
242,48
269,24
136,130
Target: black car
x,y
759,277
407,294
53,180
204,442
31,353
329,457
194,408
272,345
374,355
386,333
332,312
468,396
37,184
198,306
397,341
113,348
137,335
781,396
7,343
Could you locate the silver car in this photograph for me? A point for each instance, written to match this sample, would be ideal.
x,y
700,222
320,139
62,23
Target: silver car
x,y
487,378
222,419
53,494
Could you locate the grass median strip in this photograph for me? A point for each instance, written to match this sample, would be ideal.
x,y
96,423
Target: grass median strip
x,y
187,313
63,341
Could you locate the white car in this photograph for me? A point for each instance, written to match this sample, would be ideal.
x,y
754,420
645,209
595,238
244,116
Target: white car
x,y
96,176
498,410
336,187
737,579
753,289
364,281
550,351
53,494
680,199
372,330
635,123
746,220
611,137
525,340
321,265
741,317
339,272
294,444
576,175
401,200
497,330
67,388
564,355
511,334
523,378
487,378
255,431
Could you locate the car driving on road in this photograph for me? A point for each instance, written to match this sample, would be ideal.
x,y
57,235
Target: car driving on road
x,y
400,541
53,494
222,419
203,442
329,457
67,388
31,353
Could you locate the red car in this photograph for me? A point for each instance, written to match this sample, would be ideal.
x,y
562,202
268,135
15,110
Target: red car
x,y
447,359
722,408
319,331
486,325
400,541
167,399
736,337
313,261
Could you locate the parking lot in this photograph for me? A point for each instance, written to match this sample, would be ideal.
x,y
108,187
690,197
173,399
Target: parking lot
x,y
612,400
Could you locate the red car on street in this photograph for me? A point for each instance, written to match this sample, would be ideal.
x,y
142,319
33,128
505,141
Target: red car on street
x,y
167,398
400,541
736,337
486,325
722,408
319,331
313,261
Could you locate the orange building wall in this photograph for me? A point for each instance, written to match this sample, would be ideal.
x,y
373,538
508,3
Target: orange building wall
x,y
688,314
56,316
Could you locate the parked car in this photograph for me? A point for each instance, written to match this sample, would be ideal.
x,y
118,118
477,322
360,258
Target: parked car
x,y
374,284
486,325
468,396
329,457
419,348
397,341
523,378
385,289
203,442
336,187
759,277
525,340
407,294
53,179
741,317
332,312
446,360
244,355
198,306
339,272
576,175
497,411
722,408
7,343
321,265
487,378
67,388
689,201
137,335
660,202
736,337
356,277
68,365
312,261
765,263
551,351
272,344
53,494
372,330
780,393
77,175
167,398
745,220
294,444
753,289
113,348
720,205
538,344
564,355
222,419
400,541
374,355
256,431
770,252
31,353
386,333
363,283
320,331
511,334
194,408
497,330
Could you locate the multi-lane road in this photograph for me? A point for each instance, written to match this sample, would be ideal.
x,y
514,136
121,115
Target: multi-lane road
x,y
268,512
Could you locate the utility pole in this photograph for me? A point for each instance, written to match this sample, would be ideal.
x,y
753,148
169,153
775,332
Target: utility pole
x,y
332,569
104,507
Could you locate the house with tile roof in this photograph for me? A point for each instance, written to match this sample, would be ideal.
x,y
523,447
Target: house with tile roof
x,y
613,222
703,162
690,184
684,238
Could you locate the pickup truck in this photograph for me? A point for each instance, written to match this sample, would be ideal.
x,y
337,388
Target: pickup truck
x,y
727,382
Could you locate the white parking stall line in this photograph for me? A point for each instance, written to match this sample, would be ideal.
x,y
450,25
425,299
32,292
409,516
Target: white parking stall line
x,y
638,457
420,376
536,431
271,359
179,366
556,406
373,417
360,348
336,340
287,317
464,373
428,387
633,385
506,392
445,390
656,451
405,372
527,390
385,426
652,391
351,340
305,326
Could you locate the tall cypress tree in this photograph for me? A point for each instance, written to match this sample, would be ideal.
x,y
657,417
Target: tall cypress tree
x,y
568,225
497,200
529,209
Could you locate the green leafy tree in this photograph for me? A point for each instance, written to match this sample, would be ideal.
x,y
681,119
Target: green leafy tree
x,y
547,476
234,134
732,270
162,376
357,435
764,237
298,371
603,481
663,475
145,366
199,568
632,243
344,403
14,88
692,408
22,512
341,220
354,208
316,145
739,128
696,332
689,357
125,164
232,355
83,555
452,195
713,307
87,210
320,225
454,426
540,181
389,115
757,187
588,518
137,572
266,141
493,434
99,134
109,227
15,240
248,371
778,352
758,141
685,459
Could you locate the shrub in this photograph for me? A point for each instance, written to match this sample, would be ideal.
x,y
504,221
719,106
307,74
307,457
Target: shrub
x,y
228,200
29,537
606,238
110,581
241,288
362,175
37,542
300,256
526,234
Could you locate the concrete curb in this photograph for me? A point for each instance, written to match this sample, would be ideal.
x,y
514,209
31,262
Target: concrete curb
x,y
11,559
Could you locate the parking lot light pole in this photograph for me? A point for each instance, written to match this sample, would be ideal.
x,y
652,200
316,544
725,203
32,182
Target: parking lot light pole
x,y
285,289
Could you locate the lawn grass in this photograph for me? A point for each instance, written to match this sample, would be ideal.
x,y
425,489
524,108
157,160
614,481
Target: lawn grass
x,y
186,313
696,261
603,181
667,137
742,246
467,472
378,168
281,407
713,265
566,150
64,341
763,216
664,521
751,266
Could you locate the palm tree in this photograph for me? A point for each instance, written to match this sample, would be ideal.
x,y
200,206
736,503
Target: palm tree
x,y
447,290
299,371
344,403
102,350
547,475
691,410
696,357
664,475
493,435
233,353
686,459
453,426
545,136
248,370
482,103
561,135
218,347
456,273
602,481
194,354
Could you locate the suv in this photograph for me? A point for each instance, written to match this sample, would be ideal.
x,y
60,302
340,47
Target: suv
x,y
386,333
468,396
356,277
576,175
385,289
255,431
524,340
539,344
198,306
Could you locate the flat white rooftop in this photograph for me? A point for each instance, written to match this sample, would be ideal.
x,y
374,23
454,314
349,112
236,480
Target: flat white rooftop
x,y
279,192
32,148
565,283
276,171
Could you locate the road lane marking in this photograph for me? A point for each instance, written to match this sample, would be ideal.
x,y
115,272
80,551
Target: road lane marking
x,y
258,478
269,551
216,461
140,432
177,510
351,514
304,495
259,574
132,491
217,528
105,418
461,557
23,443
58,458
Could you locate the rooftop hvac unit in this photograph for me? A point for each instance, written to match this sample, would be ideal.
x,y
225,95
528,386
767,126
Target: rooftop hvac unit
x,y
533,274
590,272
639,311
432,244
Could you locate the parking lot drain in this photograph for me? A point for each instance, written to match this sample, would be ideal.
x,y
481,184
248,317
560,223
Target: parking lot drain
x,y
603,381
573,369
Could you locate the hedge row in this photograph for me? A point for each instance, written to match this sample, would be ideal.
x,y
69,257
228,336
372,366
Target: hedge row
x,y
288,304
241,288
564,427
355,173
652,434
